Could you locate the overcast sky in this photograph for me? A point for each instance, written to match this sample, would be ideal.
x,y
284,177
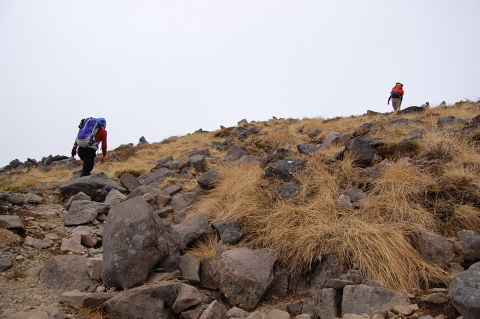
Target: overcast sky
x,y
165,68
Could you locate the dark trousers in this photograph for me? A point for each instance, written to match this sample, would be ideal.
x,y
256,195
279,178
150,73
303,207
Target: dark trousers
x,y
87,155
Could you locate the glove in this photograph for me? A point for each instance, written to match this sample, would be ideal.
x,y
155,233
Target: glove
x,y
74,151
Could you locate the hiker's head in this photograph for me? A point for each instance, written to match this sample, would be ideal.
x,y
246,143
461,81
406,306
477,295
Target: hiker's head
x,y
102,120
398,83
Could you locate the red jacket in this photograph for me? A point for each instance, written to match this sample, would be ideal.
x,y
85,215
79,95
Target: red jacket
x,y
398,88
102,137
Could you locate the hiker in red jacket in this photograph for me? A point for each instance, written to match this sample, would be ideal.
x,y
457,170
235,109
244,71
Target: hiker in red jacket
x,y
87,154
397,96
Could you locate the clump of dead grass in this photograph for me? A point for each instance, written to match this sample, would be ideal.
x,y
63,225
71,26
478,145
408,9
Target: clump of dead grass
x,y
9,238
207,246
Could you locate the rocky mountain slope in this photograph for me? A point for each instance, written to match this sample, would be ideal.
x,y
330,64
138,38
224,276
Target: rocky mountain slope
x,y
374,216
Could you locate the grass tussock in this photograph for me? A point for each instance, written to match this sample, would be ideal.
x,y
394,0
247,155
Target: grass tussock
x,y
207,246
9,238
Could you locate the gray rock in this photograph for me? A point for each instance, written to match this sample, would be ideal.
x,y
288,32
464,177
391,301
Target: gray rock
x,y
338,283
215,310
189,267
198,162
43,312
289,190
330,268
315,133
191,228
248,159
36,243
73,244
450,120
78,196
164,212
277,314
81,300
194,313
435,248
142,141
362,299
203,152
307,149
182,200
132,244
66,272
236,152
464,292
94,268
11,222
157,176
283,169
245,276
470,243
362,150
5,263
145,302
114,197
96,186
209,179
11,198
209,274
129,181
31,198
230,231
333,139
188,296
84,211
236,312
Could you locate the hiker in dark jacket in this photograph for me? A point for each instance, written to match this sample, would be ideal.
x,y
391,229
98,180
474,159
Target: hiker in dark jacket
x,y
88,154
396,95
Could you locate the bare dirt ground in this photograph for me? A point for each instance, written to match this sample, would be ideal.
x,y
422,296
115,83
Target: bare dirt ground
x,y
20,286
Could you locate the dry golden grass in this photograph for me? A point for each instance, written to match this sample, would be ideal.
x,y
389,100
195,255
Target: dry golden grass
x,y
384,252
35,178
464,217
394,198
8,238
207,246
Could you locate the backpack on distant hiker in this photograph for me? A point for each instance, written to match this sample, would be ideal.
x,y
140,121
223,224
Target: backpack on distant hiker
x,y
88,129
397,91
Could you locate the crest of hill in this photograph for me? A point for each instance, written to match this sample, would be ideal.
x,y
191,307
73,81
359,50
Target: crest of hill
x,y
423,177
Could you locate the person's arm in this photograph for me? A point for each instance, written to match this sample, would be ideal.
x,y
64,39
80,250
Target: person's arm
x,y
74,149
389,99
104,146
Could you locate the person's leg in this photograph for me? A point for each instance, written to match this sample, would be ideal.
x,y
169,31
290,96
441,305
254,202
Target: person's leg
x,y
396,104
88,157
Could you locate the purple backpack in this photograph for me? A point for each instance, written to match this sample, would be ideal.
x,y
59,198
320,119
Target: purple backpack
x,y
87,132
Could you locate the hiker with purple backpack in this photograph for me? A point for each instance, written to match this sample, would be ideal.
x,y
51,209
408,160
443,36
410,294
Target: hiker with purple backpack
x,y
91,133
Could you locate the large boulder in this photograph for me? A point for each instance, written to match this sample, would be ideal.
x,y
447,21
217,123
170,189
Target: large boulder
x,y
464,292
360,299
66,272
245,275
145,302
132,244
96,186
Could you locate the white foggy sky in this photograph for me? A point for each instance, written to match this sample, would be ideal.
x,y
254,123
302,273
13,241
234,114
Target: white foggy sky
x,y
164,68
